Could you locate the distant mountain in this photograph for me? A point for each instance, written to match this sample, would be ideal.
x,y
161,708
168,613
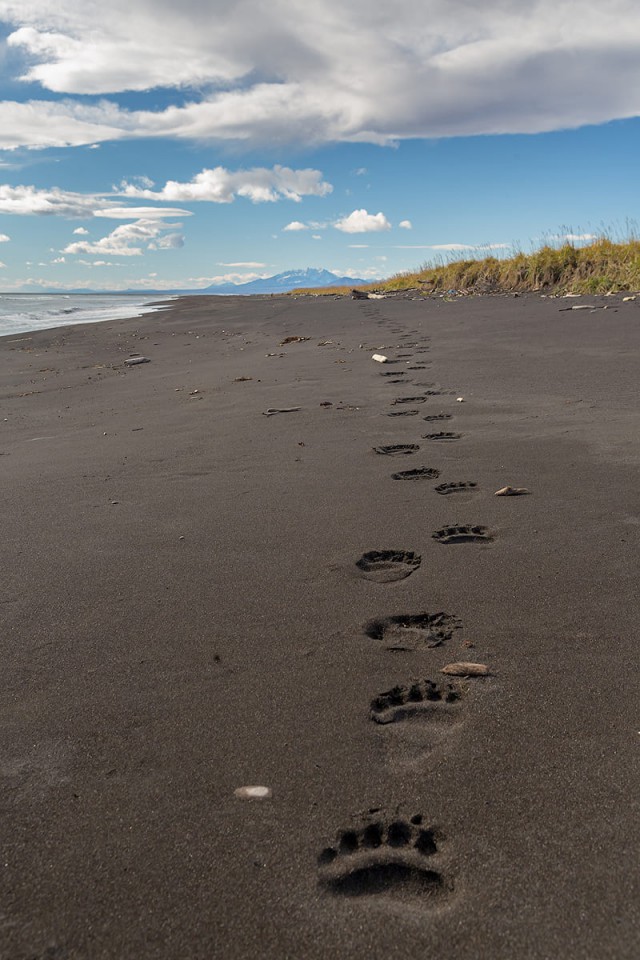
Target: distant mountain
x,y
281,283
285,282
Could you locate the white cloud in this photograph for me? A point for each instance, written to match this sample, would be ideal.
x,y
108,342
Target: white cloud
x,y
248,263
139,213
453,247
99,263
170,241
59,260
422,68
141,180
81,232
316,236
2,264
24,200
574,237
359,246
296,225
406,225
468,246
450,246
219,185
29,200
362,273
359,221
4,238
236,278
131,239
43,123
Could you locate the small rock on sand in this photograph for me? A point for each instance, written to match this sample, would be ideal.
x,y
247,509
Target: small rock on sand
x,y
464,669
379,357
133,361
511,492
253,793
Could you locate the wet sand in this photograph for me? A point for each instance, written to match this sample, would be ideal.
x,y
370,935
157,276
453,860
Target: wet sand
x,y
183,614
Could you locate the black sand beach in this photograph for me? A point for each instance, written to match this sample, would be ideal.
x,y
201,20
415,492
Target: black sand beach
x,y
182,615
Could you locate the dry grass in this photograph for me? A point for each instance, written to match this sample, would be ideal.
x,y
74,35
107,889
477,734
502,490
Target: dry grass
x,y
600,267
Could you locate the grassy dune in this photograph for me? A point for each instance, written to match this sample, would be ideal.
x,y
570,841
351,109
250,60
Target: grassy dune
x,y
600,267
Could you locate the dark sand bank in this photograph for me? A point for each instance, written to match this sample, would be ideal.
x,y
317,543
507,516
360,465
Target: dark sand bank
x,y
182,615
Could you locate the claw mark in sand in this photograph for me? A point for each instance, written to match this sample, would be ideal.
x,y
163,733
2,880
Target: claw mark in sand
x,y
442,436
271,412
419,698
390,858
397,449
413,631
386,566
461,486
420,473
466,534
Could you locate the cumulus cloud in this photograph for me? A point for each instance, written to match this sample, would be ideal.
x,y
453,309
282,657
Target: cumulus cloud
x,y
260,185
38,124
359,221
4,238
29,200
423,68
406,225
81,232
131,240
296,225
2,264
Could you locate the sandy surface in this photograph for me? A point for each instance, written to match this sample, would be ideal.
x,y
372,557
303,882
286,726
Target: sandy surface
x,y
183,614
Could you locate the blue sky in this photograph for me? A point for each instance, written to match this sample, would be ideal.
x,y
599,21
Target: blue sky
x,y
149,146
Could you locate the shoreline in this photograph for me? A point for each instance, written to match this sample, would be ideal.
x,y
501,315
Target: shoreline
x,y
27,313
576,302
184,616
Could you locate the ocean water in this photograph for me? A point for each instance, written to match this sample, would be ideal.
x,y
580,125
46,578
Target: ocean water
x,y
23,312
